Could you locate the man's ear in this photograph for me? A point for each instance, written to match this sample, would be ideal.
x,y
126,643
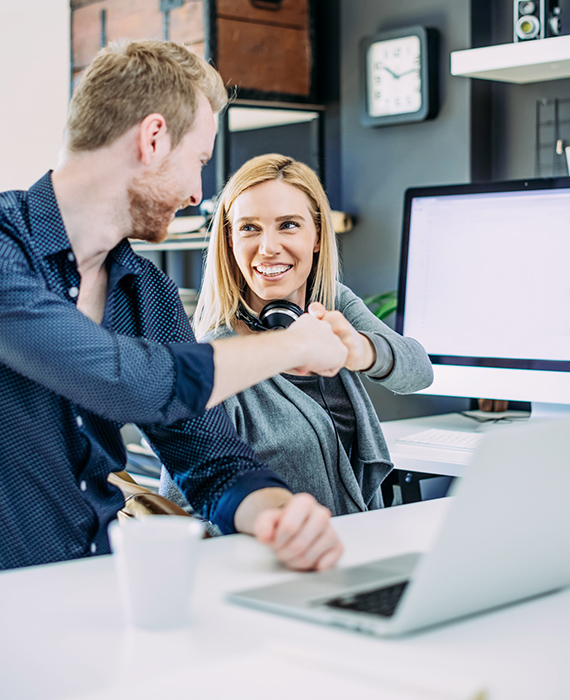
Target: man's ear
x,y
153,138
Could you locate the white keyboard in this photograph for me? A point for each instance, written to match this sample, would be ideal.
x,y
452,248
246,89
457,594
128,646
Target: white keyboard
x,y
450,439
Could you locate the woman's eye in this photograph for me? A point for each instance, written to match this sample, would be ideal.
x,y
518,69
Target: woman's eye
x,y
289,225
247,228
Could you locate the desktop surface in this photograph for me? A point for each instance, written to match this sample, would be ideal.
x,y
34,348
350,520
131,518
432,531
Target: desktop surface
x,y
62,634
443,461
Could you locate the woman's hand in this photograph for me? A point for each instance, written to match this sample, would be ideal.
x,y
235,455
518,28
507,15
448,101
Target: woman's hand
x,y
361,353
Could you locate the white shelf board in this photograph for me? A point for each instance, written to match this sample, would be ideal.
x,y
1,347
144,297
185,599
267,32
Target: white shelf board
x,y
521,62
198,244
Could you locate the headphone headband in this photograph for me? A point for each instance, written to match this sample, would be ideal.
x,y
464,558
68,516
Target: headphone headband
x,y
279,313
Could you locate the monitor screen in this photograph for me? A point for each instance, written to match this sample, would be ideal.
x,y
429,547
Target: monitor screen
x,y
485,287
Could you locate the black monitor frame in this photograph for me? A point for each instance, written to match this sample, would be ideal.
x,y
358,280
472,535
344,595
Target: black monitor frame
x,y
462,189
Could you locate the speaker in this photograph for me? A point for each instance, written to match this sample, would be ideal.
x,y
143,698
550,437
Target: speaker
x,y
536,19
279,313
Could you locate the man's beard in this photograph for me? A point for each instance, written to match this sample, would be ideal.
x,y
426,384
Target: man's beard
x,y
153,201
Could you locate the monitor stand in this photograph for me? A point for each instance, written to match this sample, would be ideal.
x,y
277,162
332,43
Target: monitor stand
x,y
549,410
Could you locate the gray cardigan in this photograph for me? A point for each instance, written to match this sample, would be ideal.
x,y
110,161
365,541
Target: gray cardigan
x,y
292,434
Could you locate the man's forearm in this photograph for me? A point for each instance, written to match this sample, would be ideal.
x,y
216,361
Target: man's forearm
x,y
308,345
244,361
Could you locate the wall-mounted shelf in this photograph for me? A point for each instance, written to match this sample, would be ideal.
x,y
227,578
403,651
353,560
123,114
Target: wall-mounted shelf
x,y
522,62
190,241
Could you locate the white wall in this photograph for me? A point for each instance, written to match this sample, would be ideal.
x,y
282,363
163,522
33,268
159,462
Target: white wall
x,y
34,87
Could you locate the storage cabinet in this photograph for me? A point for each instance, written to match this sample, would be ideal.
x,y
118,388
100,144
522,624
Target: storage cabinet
x,y
264,49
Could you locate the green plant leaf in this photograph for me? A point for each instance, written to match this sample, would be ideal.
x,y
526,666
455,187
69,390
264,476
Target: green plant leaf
x,y
383,305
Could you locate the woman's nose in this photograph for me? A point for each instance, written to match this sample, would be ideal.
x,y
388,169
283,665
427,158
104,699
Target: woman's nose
x,y
269,244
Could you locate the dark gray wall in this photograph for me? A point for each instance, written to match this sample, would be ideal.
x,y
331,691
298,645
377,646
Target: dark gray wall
x,y
485,131
379,164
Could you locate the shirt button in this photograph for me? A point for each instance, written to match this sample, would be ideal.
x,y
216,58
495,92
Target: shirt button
x,y
70,256
73,292
79,421
83,485
93,548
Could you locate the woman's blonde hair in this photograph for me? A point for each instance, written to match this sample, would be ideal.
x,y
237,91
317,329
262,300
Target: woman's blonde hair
x,y
223,286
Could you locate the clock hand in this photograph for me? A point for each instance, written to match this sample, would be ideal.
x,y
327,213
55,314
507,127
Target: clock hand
x,y
412,70
399,75
394,75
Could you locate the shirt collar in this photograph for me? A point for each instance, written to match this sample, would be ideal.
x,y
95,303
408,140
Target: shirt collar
x,y
49,232
46,224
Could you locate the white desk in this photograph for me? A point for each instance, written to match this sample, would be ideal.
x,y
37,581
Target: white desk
x,y
433,460
61,632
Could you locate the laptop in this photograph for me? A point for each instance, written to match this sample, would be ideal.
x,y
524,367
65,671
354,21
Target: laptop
x,y
505,538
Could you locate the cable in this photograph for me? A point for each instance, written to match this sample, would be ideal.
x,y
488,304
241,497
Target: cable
x,y
502,419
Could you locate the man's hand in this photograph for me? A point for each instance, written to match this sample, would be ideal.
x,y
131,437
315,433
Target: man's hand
x,y
324,353
297,528
361,354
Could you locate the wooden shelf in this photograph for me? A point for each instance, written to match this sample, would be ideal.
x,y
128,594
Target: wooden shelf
x,y
521,62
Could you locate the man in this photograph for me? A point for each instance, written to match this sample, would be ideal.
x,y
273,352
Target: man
x,y
92,336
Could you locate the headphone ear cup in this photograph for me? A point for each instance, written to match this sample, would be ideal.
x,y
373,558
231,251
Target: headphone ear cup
x,y
279,313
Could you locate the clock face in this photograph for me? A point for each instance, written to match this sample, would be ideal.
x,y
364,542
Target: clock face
x,y
399,76
394,76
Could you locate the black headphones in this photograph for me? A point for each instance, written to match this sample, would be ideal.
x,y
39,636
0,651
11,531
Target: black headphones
x,y
278,314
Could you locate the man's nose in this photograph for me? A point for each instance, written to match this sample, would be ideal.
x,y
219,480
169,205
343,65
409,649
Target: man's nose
x,y
196,196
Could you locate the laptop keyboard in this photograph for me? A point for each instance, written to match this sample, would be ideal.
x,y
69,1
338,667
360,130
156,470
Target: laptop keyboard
x,y
380,601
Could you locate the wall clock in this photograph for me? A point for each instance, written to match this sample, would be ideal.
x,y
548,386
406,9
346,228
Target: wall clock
x,y
399,76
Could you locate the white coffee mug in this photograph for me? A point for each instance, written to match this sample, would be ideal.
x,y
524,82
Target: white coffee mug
x,y
155,559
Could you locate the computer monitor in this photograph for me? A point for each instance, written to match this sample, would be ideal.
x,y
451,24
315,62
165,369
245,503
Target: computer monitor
x,y
485,288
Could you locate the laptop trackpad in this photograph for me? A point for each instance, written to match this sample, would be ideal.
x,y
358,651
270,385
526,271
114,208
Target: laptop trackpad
x,y
316,587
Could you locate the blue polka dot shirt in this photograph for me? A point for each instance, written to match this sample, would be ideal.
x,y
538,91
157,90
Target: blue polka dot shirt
x,y
67,385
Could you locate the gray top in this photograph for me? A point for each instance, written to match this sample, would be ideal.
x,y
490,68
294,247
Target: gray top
x,y
292,433
330,394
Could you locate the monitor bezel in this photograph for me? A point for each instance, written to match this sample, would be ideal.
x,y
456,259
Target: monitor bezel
x,y
528,185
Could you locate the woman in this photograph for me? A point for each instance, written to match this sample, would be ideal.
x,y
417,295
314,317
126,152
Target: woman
x,y
272,239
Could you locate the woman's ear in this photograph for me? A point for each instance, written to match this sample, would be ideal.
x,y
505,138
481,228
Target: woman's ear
x,y
317,247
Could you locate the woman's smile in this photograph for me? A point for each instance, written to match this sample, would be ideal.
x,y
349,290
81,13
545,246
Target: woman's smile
x,y
272,271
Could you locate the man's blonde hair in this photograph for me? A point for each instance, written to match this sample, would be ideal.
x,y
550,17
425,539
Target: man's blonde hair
x,y
224,287
129,80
